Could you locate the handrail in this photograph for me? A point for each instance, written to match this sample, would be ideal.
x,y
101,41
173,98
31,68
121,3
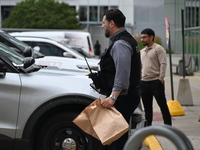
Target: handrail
x,y
174,135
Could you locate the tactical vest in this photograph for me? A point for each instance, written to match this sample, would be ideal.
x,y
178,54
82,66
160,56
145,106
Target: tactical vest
x,y
107,73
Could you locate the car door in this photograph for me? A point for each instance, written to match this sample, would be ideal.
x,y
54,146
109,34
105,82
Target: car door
x,y
10,86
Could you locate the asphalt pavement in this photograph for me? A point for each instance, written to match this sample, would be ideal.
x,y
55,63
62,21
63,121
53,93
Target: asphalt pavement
x,y
189,124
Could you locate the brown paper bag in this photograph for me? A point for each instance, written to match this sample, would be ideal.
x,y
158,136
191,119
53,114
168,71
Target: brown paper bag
x,y
105,124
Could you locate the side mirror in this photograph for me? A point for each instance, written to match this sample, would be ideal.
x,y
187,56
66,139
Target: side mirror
x,y
28,61
28,52
67,54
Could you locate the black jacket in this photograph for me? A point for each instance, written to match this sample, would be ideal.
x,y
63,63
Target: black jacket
x,y
107,73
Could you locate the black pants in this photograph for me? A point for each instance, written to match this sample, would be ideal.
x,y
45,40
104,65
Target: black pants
x,y
148,90
125,104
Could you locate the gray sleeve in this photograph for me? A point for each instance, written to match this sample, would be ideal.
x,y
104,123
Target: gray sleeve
x,y
121,53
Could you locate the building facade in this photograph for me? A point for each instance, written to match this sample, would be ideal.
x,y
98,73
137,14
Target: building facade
x,y
139,14
89,14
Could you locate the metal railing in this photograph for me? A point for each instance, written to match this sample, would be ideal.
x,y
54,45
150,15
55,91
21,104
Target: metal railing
x,y
174,135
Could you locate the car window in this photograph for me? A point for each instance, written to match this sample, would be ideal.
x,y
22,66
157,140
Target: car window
x,y
11,54
12,42
48,49
2,40
28,42
22,45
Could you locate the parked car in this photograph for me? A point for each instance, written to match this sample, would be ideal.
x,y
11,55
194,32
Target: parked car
x,y
69,37
60,62
50,47
37,108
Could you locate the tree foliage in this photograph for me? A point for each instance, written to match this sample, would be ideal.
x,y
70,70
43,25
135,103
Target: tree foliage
x,y
42,14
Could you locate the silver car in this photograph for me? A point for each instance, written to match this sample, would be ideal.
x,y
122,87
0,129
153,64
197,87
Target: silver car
x,y
37,107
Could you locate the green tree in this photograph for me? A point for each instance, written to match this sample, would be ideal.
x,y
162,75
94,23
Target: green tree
x,y
42,14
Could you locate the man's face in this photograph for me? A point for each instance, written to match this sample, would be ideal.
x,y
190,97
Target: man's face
x,y
146,39
106,26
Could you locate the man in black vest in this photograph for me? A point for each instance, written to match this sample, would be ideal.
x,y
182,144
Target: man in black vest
x,y
120,70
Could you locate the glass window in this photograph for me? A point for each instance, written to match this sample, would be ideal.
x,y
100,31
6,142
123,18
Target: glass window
x,y
93,13
73,7
102,10
83,13
5,12
11,54
11,39
48,49
192,16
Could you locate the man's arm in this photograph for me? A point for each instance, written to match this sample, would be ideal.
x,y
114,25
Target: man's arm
x,y
163,64
121,53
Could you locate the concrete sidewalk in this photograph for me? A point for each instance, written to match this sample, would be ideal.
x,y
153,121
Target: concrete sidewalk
x,y
188,124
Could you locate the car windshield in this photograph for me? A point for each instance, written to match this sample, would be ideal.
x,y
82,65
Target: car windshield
x,y
38,54
82,52
71,49
22,45
77,50
11,54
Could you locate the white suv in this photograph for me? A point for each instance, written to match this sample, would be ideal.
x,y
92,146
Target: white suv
x,y
37,107
50,47
59,62
71,37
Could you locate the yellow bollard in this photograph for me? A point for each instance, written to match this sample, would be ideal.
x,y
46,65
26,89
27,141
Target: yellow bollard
x,y
175,108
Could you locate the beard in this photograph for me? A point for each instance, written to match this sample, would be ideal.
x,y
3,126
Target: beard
x,y
107,33
144,44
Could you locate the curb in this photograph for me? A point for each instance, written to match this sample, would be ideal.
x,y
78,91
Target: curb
x,y
152,143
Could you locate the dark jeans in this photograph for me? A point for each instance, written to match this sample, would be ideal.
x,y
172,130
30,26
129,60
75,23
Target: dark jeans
x,y
125,104
157,89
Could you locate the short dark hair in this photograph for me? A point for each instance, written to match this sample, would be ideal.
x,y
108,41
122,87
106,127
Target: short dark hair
x,y
149,32
117,16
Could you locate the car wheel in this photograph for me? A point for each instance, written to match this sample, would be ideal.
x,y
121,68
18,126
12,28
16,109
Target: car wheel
x,y
60,133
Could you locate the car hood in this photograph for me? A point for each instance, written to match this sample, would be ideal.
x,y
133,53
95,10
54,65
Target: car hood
x,y
53,84
66,63
53,70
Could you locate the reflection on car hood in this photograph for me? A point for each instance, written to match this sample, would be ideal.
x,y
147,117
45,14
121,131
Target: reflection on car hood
x,y
55,71
55,83
65,63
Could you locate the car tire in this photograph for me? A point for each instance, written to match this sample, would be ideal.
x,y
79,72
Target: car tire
x,y
60,129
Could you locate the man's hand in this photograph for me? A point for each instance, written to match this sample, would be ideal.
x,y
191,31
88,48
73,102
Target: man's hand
x,y
108,102
162,81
